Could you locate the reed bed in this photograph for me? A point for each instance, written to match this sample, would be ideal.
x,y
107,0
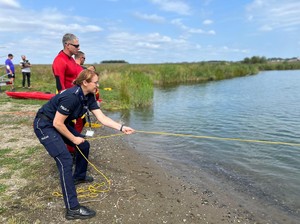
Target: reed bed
x,y
124,86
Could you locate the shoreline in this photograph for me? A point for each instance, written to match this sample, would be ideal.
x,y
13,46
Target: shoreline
x,y
143,189
162,195
149,194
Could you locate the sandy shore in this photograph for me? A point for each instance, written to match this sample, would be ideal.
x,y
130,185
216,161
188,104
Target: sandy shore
x,y
142,190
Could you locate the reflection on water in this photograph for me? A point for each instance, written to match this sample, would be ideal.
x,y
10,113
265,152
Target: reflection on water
x,y
260,107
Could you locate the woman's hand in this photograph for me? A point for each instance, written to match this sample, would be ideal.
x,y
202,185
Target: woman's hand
x,y
78,140
127,130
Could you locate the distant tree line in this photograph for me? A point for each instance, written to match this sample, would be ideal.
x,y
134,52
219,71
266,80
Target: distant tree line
x,y
255,60
114,61
261,60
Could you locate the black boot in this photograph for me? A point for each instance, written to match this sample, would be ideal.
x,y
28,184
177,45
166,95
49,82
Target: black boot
x,y
81,213
87,179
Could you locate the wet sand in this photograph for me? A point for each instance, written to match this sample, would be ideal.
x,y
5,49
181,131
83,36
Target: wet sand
x,y
144,191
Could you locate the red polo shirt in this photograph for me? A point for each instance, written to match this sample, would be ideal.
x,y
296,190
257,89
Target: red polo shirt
x,y
65,70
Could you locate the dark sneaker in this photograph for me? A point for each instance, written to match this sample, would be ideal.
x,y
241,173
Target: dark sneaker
x,y
81,213
87,179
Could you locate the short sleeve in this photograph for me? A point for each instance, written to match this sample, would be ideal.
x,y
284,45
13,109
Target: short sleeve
x,y
67,104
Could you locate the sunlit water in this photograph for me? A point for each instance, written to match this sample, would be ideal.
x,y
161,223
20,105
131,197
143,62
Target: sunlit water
x,y
261,107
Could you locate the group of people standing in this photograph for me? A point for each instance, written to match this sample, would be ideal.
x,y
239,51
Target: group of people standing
x,y
77,87
10,70
26,65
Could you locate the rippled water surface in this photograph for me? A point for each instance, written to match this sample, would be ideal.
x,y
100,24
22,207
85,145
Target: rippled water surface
x,y
261,107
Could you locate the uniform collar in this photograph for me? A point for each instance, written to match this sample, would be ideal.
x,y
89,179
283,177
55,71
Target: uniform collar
x,y
78,92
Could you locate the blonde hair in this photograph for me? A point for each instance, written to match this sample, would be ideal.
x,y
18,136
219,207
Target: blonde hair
x,y
85,75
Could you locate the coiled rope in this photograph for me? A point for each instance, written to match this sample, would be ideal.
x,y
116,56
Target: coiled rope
x,y
91,191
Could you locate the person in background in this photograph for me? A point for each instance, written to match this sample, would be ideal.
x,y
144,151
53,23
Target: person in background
x,y
10,70
65,70
25,68
80,58
52,129
64,67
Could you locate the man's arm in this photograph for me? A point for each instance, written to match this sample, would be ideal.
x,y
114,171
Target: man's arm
x,y
58,70
8,67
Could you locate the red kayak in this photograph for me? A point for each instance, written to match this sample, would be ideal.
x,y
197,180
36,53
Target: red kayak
x,y
30,95
34,95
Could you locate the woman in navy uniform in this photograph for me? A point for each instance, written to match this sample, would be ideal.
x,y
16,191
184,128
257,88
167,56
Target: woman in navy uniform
x,y
51,126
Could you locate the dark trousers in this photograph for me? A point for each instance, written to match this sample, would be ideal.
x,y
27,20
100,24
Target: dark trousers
x,y
26,75
55,144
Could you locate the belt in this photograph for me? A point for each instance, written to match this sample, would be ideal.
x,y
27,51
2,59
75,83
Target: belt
x,y
43,116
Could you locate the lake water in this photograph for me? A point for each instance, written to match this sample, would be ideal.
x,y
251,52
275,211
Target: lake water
x,y
260,107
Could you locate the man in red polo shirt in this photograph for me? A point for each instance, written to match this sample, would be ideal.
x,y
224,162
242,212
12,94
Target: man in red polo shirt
x,y
64,67
66,70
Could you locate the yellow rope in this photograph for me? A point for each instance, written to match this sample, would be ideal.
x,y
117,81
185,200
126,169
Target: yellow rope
x,y
92,190
220,138
102,174
106,136
203,137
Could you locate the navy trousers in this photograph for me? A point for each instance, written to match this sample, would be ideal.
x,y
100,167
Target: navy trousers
x,y
55,144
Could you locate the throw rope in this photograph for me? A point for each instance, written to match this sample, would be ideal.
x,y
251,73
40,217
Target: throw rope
x,y
92,191
220,138
205,137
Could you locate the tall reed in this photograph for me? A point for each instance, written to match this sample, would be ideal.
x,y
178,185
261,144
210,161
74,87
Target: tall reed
x,y
131,85
128,89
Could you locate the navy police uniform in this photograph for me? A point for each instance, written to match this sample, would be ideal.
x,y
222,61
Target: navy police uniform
x,y
74,104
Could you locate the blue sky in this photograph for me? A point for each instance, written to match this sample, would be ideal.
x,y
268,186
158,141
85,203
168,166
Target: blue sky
x,y
151,31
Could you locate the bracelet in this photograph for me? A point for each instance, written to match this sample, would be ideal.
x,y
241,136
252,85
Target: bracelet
x,y
121,127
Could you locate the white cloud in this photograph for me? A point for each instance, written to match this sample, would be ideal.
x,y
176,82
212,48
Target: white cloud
x,y
40,38
134,43
131,39
9,4
152,17
236,50
49,19
207,22
178,22
274,14
148,45
179,7
149,48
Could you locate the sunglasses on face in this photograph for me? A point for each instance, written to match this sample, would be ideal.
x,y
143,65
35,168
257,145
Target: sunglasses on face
x,y
74,45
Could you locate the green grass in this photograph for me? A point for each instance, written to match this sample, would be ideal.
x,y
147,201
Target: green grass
x,y
132,84
2,188
6,175
4,152
10,162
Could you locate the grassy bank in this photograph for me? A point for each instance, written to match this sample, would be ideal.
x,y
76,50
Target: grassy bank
x,y
124,86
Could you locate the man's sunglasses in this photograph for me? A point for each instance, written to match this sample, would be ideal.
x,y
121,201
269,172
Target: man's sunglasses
x,y
74,45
